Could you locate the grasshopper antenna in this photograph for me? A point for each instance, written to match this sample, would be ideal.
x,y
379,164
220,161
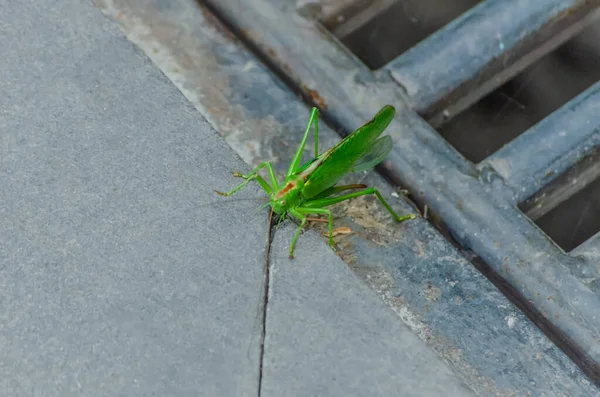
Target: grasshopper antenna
x,y
221,202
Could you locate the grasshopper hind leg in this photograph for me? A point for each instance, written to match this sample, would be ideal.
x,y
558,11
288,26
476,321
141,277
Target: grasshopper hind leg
x,y
334,200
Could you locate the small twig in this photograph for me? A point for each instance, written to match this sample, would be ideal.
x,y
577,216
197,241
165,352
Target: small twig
x,y
338,231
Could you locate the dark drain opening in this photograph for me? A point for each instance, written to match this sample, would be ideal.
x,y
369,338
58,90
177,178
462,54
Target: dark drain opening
x,y
575,220
377,31
568,209
532,95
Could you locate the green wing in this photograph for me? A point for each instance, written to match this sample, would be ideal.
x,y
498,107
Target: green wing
x,y
379,151
347,155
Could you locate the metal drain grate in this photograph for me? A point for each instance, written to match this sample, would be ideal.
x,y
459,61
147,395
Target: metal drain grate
x,y
533,94
431,84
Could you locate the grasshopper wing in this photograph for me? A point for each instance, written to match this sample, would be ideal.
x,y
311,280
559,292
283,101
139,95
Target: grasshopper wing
x,y
344,157
379,151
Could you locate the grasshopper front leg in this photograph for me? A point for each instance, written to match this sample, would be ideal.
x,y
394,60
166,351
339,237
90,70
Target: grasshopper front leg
x,y
302,219
254,175
301,213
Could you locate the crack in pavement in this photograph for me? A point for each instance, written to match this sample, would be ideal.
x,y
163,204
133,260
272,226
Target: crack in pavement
x,y
265,301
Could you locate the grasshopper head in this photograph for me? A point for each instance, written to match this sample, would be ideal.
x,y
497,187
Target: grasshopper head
x,y
289,196
279,206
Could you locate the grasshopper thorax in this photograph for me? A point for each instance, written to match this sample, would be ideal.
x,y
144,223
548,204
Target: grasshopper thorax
x,y
288,196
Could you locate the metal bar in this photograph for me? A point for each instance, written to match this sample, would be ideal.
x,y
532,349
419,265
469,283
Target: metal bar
x,y
370,10
332,9
563,187
546,150
472,203
483,49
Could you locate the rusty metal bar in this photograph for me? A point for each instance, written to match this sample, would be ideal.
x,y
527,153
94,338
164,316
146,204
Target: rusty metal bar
x,y
483,49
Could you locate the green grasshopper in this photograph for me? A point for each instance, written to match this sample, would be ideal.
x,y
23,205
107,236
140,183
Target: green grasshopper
x,y
307,188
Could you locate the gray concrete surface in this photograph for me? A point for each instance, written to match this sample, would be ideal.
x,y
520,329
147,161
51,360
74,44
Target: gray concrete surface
x,y
329,335
121,273
117,274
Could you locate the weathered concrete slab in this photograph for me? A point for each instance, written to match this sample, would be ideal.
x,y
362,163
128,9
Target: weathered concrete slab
x,y
118,273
